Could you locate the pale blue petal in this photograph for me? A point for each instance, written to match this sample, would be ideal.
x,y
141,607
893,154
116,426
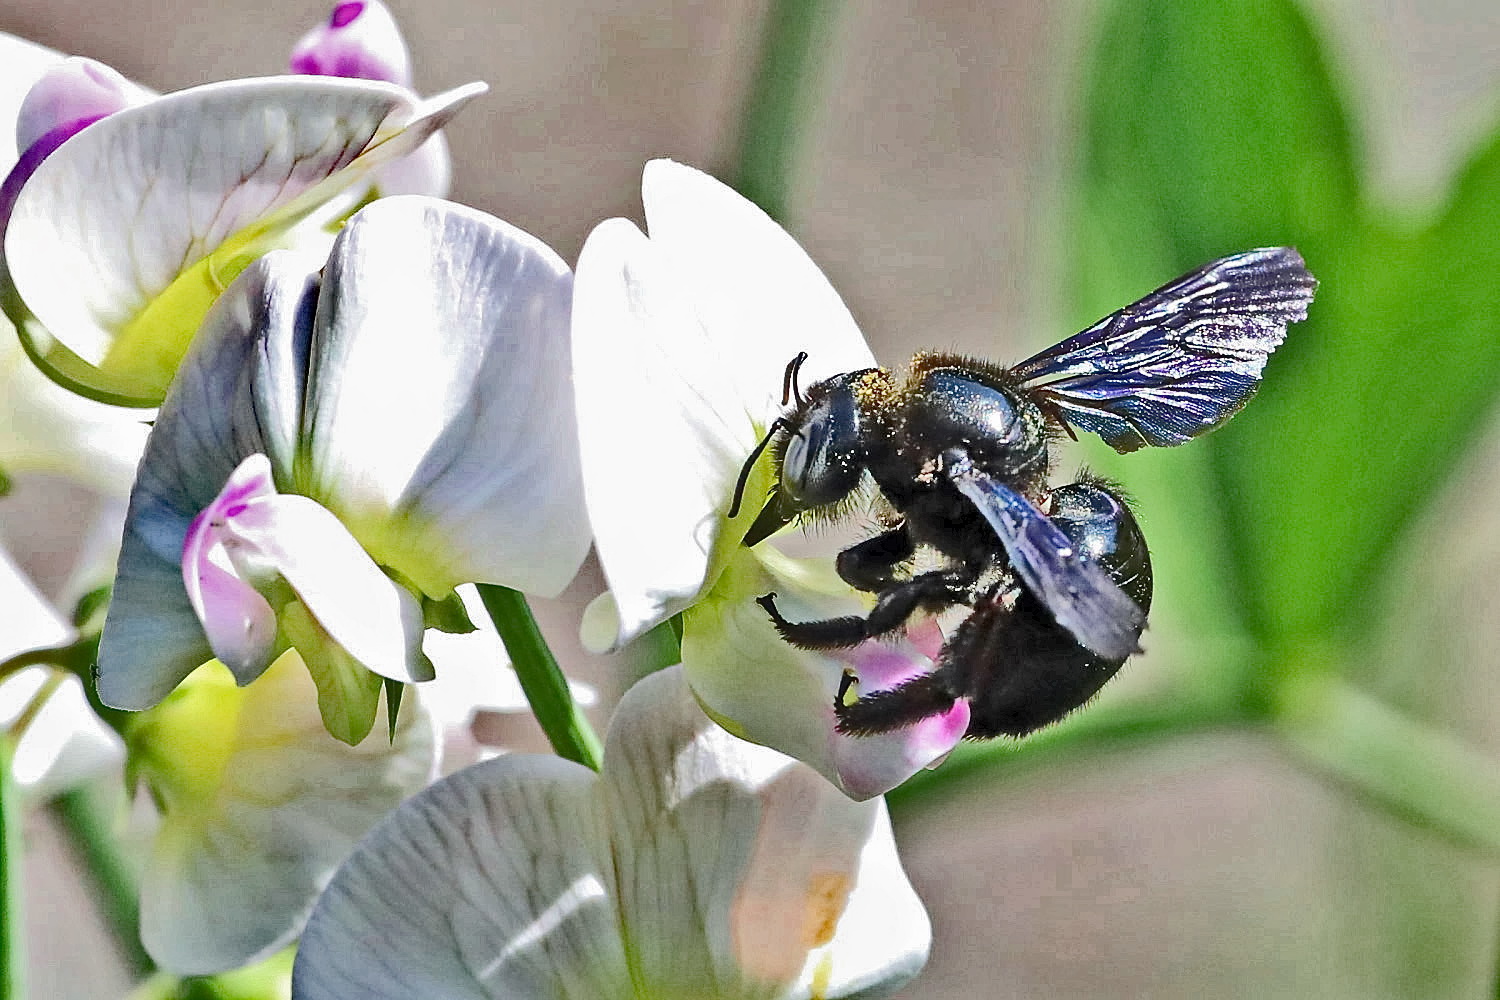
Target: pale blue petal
x,y
440,421
235,395
232,879
492,883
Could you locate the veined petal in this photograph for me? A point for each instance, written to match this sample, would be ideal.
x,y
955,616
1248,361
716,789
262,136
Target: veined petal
x,y
494,882
739,870
733,871
219,174
734,659
236,868
440,423
754,287
237,395
657,406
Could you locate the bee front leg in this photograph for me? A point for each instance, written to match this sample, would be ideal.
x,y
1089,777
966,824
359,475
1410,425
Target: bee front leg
x,y
930,592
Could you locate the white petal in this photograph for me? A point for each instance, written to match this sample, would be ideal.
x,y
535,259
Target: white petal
x,y
755,287
237,395
663,430
239,161
77,89
492,883
373,618
234,880
65,743
736,864
46,428
736,871
359,39
21,64
30,621
440,421
764,689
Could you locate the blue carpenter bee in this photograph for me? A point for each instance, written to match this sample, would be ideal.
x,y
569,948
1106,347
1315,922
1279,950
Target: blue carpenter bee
x,y
1058,578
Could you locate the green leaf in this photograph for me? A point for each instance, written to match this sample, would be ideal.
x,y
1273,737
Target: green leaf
x,y
1213,128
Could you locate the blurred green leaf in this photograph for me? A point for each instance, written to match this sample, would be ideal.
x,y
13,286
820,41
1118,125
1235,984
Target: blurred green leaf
x,y
1210,128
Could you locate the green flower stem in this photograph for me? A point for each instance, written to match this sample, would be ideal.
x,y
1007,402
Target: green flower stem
x,y
796,35
114,882
12,917
543,681
1419,773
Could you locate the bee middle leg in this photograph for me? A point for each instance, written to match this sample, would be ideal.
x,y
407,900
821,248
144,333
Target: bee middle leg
x,y
932,591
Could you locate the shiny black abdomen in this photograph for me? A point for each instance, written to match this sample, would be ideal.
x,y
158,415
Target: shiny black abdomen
x,y
1020,669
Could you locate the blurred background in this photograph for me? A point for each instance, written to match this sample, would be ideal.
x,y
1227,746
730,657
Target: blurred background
x,y
1292,792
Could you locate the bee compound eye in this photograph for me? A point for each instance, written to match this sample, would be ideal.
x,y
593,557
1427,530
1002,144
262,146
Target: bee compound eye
x,y
821,462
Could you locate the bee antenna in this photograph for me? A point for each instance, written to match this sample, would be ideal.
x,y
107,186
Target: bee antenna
x,y
739,486
789,387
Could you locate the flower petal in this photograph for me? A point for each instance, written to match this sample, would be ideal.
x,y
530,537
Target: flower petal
x,y
491,883
440,423
740,871
754,287
360,40
233,875
22,63
656,405
73,91
237,395
374,619
219,174
764,689
735,872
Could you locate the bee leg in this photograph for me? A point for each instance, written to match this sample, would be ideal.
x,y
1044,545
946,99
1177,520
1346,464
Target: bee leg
x,y
898,707
930,591
871,564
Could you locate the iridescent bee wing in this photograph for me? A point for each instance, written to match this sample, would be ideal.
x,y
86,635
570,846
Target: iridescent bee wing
x,y
1077,590
1179,362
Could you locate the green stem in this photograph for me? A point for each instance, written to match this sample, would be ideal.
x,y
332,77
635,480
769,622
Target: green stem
x,y
541,678
12,915
114,882
1412,770
796,34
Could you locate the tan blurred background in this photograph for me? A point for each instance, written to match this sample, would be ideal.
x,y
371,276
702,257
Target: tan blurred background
x,y
928,190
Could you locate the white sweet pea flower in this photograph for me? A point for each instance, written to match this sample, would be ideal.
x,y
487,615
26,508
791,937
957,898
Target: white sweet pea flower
x,y
694,865
337,448
120,231
680,343
259,805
